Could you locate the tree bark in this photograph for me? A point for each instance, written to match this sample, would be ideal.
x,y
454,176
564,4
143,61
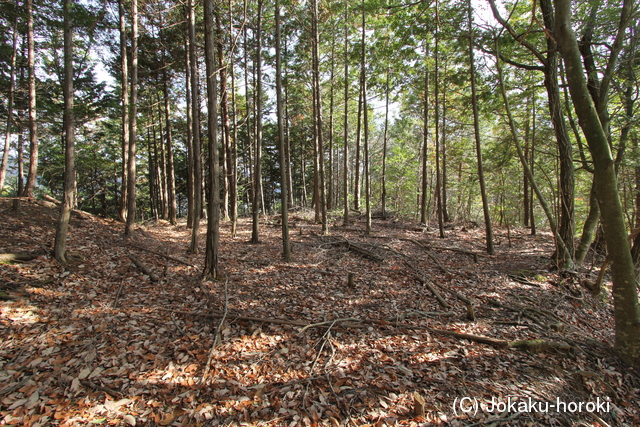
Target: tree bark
x,y
385,136
425,145
345,155
33,125
321,196
133,110
365,120
195,133
12,84
124,97
625,295
213,224
284,198
171,178
60,244
257,174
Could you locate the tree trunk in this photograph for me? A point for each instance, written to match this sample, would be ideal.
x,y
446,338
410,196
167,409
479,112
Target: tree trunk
x,y
476,132
171,178
124,85
321,197
425,145
438,198
443,150
365,120
33,125
12,84
330,181
565,151
284,199
345,155
516,137
195,133
213,224
225,184
133,110
625,295
257,175
60,245
385,136
189,131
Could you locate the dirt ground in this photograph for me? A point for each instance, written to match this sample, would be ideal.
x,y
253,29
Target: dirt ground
x,y
99,342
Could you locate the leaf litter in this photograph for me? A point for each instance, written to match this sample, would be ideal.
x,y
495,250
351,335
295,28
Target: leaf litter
x,y
96,342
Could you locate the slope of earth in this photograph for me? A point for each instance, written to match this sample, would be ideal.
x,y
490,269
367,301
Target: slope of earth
x,y
100,342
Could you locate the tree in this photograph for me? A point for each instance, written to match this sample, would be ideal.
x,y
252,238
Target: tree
x,y
33,125
213,225
257,171
133,112
60,245
625,295
476,134
549,67
284,186
196,152
12,84
124,85
319,185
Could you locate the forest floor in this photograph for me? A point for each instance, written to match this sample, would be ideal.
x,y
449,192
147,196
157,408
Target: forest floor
x,y
98,342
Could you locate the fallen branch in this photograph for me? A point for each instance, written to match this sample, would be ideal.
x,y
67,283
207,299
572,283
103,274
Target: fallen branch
x,y
144,269
540,346
356,247
217,338
6,258
477,338
47,198
178,260
435,293
115,300
433,257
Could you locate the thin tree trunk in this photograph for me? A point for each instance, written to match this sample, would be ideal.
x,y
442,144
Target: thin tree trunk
x,y
365,119
567,180
224,112
257,175
60,244
385,136
443,150
195,133
425,145
437,120
133,110
320,195
345,168
213,224
124,84
189,133
356,181
476,131
33,131
171,179
233,160
284,199
329,200
12,84
516,137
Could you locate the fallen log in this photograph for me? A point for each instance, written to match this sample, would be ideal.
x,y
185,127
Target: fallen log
x,y
7,258
154,277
